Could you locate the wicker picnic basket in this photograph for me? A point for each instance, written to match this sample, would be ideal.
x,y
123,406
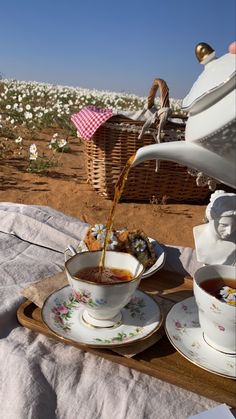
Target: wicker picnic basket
x,y
118,139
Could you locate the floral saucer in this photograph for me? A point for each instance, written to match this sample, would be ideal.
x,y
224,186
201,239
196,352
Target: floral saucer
x,y
184,332
160,254
63,315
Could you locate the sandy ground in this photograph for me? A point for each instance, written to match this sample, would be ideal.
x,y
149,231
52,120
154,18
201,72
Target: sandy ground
x,y
65,188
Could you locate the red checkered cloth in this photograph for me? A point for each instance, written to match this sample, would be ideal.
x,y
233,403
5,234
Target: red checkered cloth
x,y
89,119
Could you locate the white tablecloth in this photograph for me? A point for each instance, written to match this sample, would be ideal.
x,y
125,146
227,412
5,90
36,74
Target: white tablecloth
x,y
44,379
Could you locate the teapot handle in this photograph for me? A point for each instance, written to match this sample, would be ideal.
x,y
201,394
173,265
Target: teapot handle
x,y
164,93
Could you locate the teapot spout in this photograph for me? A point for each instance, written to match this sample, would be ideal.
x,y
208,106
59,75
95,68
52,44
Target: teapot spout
x,y
192,156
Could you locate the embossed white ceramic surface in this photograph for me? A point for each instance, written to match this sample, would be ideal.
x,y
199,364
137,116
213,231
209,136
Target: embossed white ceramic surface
x,y
184,332
217,73
63,315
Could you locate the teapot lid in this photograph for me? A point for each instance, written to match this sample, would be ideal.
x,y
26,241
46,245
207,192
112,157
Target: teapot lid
x,y
216,80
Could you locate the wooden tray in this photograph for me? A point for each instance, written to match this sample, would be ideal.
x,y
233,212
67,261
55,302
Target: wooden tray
x,y
160,360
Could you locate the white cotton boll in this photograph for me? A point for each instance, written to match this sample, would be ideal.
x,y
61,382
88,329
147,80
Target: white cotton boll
x,y
28,115
33,149
62,143
33,156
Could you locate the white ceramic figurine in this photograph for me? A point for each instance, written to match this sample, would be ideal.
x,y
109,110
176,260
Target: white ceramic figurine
x,y
215,241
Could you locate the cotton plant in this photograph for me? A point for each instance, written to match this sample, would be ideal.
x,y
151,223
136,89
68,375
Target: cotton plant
x,y
59,145
42,105
33,152
36,106
10,144
40,163
19,140
19,150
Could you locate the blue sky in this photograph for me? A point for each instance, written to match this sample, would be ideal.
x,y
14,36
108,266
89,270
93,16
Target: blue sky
x,y
112,45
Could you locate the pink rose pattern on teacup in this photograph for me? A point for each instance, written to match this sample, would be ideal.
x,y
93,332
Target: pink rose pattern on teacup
x,y
221,328
181,327
62,311
84,297
216,310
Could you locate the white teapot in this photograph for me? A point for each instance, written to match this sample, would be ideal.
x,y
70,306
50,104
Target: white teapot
x,y
210,136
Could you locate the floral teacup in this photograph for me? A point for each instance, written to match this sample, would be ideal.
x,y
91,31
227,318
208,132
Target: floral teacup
x,y
217,317
103,301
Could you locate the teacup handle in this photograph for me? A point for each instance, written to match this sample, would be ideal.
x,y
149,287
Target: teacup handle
x,y
69,252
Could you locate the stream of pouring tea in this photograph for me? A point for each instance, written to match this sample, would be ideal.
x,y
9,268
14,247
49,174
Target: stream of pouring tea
x,y
118,191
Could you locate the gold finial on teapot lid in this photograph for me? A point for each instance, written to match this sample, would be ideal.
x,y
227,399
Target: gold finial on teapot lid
x,y
204,52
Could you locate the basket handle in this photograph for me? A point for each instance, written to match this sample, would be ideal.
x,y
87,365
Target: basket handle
x,y
164,93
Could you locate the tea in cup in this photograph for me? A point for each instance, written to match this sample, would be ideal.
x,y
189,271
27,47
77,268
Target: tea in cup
x,y
214,289
103,293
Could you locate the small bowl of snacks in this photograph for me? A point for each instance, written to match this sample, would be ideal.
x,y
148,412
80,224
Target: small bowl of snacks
x,y
135,242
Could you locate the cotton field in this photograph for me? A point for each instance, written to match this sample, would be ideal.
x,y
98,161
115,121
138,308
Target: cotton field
x,y
26,108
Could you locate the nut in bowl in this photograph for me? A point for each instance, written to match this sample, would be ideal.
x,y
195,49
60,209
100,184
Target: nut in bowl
x,y
215,293
103,295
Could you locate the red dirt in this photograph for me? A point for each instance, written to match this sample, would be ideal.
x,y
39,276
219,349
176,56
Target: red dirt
x,y
65,188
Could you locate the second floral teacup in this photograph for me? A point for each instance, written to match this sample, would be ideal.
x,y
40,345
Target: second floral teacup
x,y
215,293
